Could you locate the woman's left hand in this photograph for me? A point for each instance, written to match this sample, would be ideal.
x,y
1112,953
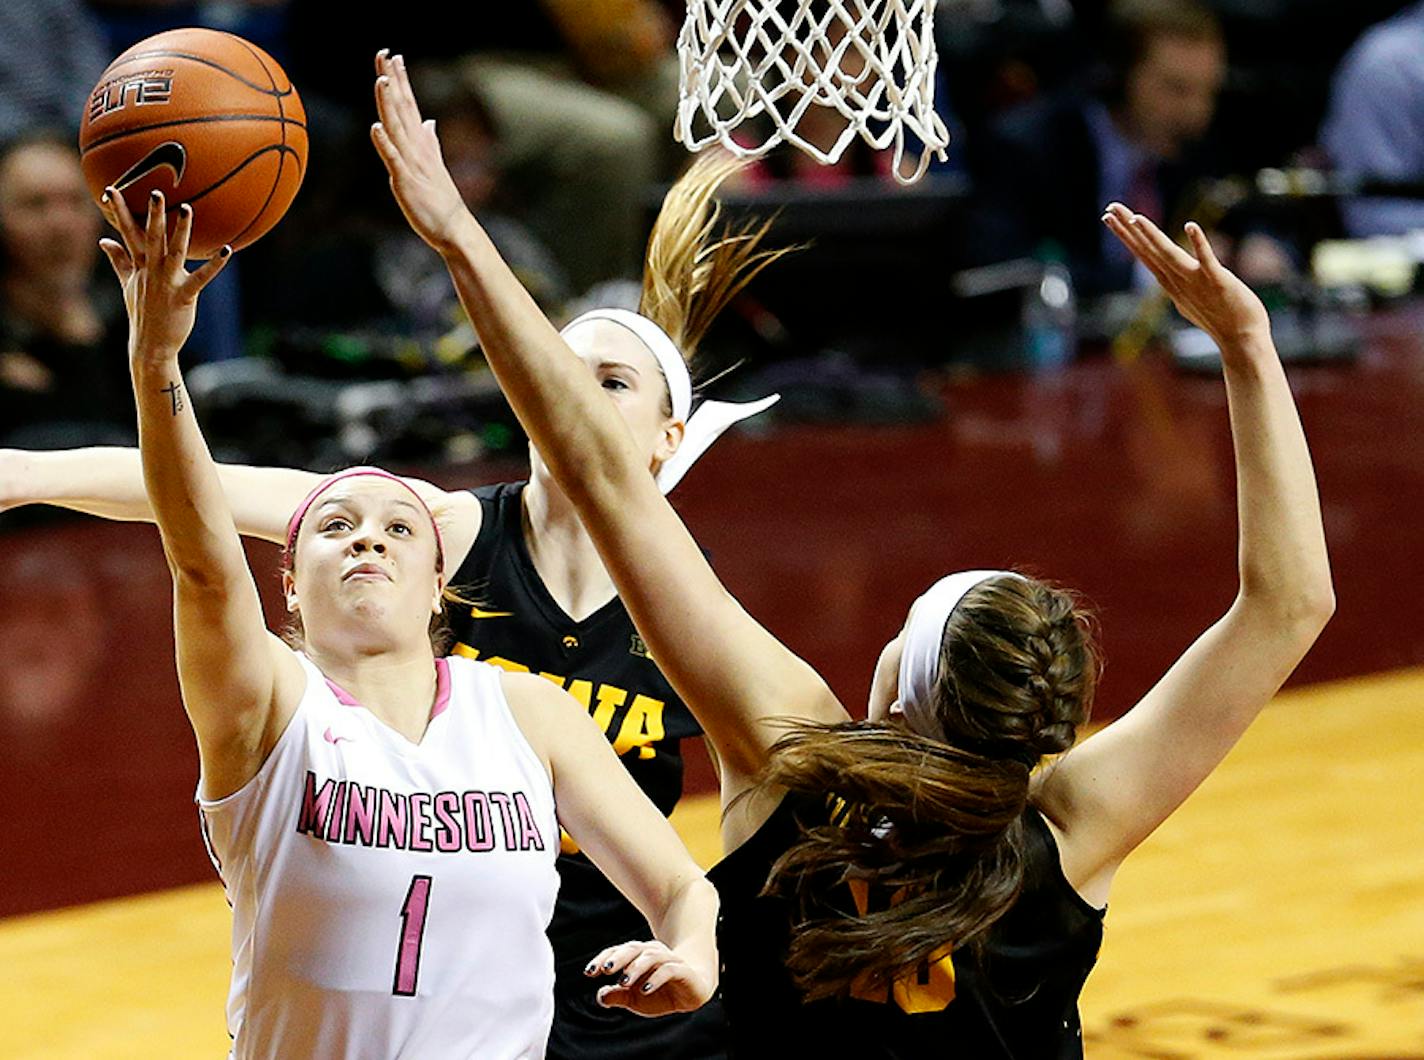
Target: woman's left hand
x,y
652,979
410,150
160,294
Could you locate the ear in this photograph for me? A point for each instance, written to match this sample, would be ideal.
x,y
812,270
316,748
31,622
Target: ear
x,y
438,604
671,439
289,590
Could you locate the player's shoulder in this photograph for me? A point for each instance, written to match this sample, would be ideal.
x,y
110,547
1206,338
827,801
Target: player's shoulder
x,y
528,691
541,706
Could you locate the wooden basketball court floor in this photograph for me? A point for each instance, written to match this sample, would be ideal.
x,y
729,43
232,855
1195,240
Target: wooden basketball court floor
x,y
1279,914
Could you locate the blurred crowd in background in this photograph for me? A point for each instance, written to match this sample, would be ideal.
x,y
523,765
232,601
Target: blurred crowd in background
x,y
1287,127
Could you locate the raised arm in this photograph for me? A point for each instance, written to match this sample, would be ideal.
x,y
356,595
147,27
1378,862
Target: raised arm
x,y
240,684
635,847
1108,794
739,680
108,483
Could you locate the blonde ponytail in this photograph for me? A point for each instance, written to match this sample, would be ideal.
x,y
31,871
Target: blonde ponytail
x,y
692,270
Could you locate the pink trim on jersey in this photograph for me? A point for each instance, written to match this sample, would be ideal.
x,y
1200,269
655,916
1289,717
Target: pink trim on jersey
x,y
345,698
442,690
294,524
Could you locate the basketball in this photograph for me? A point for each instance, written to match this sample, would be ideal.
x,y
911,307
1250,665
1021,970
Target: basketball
x,y
206,118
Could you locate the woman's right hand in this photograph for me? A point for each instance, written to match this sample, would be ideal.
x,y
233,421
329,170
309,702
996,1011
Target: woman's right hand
x,y
410,150
160,294
1205,291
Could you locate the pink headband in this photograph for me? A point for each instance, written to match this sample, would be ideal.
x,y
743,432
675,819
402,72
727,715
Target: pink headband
x,y
295,523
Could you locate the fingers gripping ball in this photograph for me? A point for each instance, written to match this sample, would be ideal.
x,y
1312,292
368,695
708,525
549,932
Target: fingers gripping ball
x,y
207,119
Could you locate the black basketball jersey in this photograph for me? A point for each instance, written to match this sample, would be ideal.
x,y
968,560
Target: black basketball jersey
x,y
602,662
1018,1000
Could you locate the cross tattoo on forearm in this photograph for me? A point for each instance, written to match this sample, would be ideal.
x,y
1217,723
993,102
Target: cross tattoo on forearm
x,y
175,392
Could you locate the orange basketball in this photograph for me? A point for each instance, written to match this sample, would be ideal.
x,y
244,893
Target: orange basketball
x,y
206,118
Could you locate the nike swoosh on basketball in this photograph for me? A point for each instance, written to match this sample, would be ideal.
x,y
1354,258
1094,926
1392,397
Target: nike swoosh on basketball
x,y
170,155
331,737
479,612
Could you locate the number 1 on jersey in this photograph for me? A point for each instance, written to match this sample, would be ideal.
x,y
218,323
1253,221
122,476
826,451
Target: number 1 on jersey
x,y
417,902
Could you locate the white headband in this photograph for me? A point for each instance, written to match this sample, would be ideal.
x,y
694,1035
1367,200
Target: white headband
x,y
920,654
700,428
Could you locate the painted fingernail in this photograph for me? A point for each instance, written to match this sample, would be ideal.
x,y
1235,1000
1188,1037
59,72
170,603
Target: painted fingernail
x,y
608,965
588,969
622,980
186,210
225,252
647,988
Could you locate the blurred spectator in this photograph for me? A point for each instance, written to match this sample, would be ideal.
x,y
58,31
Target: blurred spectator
x,y
51,54
263,22
413,277
996,54
581,92
1054,163
346,261
586,114
63,369
1375,124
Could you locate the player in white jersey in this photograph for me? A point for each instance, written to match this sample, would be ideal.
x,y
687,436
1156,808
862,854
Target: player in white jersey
x,y
384,823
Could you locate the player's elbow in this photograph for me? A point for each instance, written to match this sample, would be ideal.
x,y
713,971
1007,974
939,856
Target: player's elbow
x,y
1308,609
1318,607
200,575
1294,619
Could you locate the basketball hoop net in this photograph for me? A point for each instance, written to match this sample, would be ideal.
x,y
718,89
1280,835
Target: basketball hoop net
x,y
870,61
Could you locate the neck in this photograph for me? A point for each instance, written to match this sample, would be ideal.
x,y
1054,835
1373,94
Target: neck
x,y
396,686
563,553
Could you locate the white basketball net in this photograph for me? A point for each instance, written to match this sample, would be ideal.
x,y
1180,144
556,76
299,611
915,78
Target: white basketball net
x,y
871,61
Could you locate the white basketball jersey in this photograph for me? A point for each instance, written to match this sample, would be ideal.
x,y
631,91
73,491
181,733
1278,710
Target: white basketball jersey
x,y
390,899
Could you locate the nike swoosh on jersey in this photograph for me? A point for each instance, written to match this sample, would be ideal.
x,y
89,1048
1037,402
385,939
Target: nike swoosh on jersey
x,y
331,737
479,612
170,155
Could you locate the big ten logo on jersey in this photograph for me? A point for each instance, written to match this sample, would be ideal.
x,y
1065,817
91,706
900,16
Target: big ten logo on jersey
x,y
639,726
141,89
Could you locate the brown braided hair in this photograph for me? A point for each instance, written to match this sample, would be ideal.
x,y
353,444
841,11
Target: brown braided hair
x,y
937,825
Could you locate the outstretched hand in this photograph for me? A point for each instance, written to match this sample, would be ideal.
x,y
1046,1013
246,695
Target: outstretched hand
x,y
411,152
1205,291
652,979
160,294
